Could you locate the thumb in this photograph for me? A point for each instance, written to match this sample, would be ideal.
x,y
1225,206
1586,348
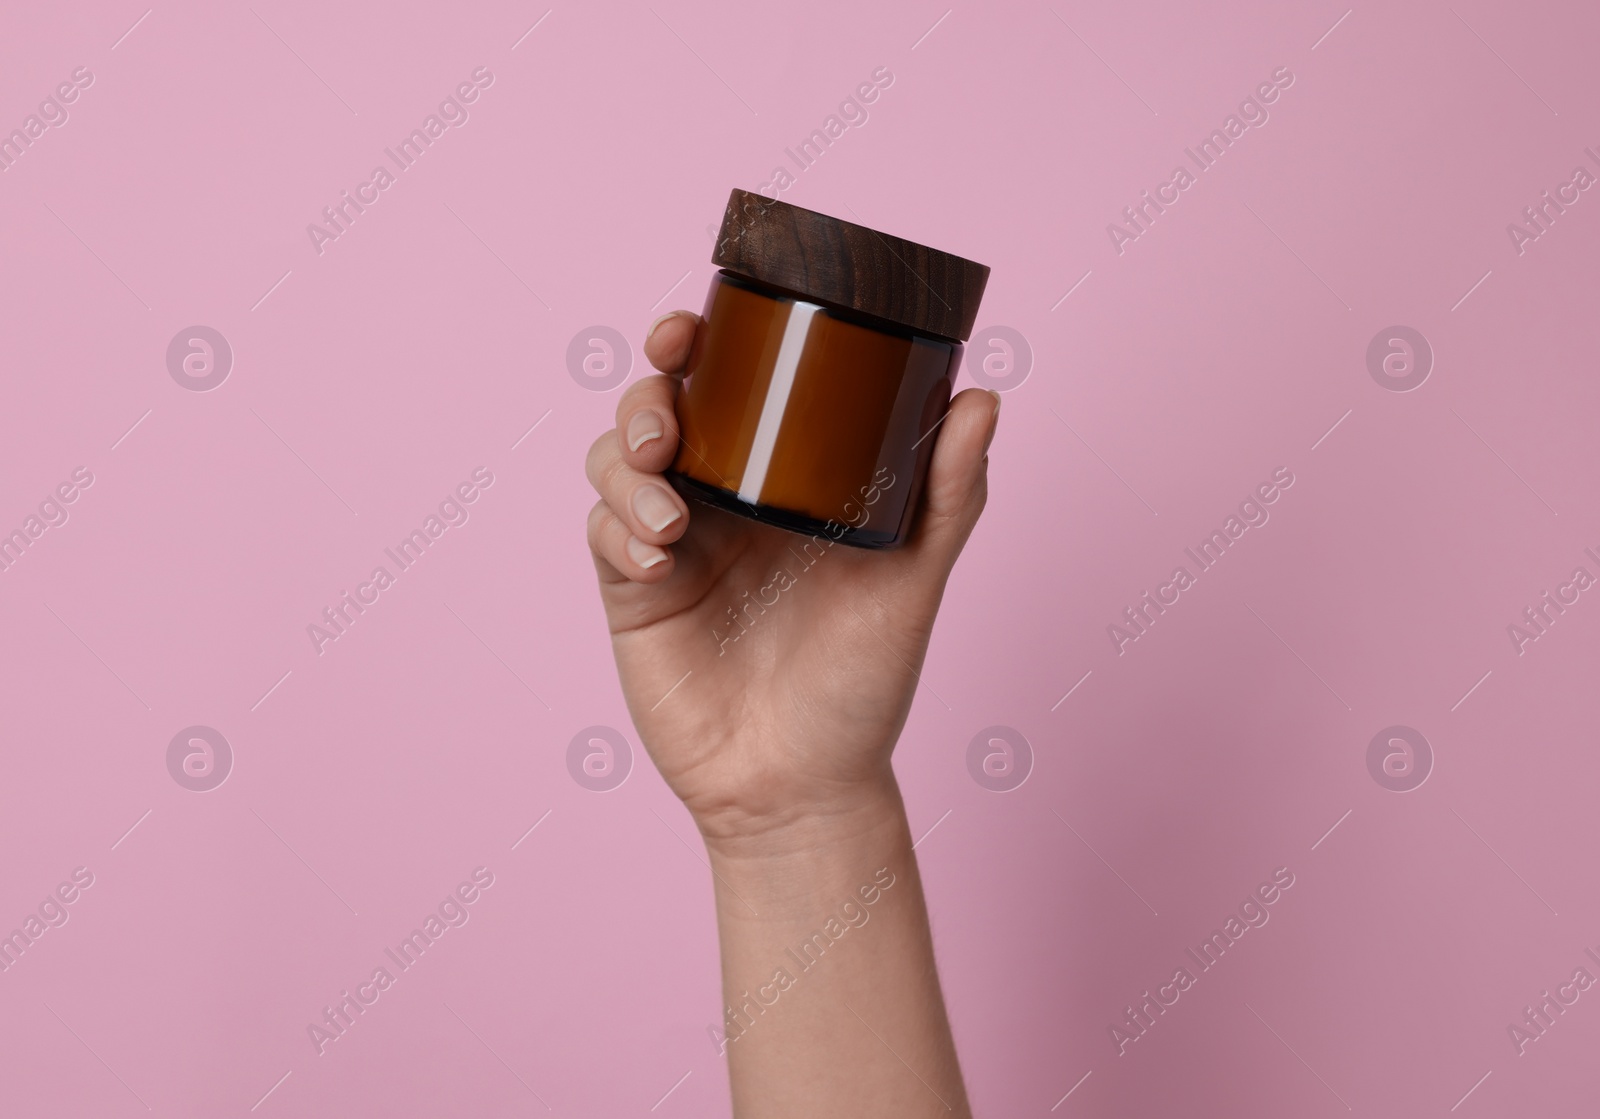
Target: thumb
x,y
957,484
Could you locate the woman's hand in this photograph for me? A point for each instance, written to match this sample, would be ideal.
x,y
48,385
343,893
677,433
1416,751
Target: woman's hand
x,y
775,729
788,714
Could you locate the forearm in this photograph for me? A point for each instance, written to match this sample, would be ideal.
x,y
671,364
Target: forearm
x,y
832,997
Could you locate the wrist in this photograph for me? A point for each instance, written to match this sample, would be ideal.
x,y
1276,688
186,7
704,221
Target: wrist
x,y
779,828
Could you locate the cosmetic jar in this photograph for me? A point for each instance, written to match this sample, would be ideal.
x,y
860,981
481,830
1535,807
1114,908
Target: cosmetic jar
x,y
822,365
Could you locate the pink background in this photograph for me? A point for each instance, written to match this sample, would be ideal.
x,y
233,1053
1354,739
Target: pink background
x,y
369,380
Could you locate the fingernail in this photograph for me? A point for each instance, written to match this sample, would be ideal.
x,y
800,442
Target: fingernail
x,y
644,426
680,313
651,332
994,421
654,508
645,555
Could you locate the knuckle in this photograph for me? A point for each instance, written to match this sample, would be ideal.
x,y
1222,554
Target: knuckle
x,y
655,390
602,458
600,519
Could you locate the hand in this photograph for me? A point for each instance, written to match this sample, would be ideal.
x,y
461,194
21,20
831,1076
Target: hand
x,y
789,720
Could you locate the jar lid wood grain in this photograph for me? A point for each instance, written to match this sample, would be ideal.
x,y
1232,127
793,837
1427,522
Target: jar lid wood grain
x,y
828,260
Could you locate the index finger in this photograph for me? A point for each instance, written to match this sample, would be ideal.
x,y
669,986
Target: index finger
x,y
670,338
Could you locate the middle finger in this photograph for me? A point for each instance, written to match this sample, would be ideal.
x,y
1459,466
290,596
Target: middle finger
x,y
646,504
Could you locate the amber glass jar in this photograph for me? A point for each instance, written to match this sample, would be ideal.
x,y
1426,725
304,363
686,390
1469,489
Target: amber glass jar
x,y
822,366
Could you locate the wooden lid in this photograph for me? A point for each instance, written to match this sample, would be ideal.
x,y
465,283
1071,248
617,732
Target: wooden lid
x,y
833,261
